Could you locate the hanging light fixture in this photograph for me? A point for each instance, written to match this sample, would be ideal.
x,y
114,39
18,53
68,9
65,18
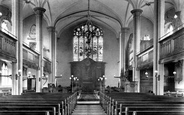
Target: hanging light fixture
x,y
88,33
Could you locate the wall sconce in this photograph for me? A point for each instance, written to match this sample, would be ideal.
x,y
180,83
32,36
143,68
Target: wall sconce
x,y
45,49
157,75
174,73
175,16
146,73
29,74
18,74
43,77
176,78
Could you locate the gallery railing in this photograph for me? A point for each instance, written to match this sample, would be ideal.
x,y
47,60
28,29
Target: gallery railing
x,y
7,46
172,45
30,58
145,59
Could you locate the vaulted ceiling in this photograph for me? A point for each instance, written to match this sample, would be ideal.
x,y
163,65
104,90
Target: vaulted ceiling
x,y
112,13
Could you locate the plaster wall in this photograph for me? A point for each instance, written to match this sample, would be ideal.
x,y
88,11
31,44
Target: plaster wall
x,y
27,23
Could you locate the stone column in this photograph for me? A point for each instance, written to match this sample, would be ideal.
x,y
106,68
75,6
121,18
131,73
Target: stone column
x,y
136,41
17,30
158,69
124,36
39,17
52,32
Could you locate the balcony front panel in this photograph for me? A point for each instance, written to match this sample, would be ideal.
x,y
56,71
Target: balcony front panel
x,y
30,58
172,47
145,59
7,47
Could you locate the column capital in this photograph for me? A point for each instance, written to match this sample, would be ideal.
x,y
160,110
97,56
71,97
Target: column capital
x,y
51,28
125,29
136,12
39,10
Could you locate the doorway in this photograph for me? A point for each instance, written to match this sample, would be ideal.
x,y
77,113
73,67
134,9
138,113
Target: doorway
x,y
169,78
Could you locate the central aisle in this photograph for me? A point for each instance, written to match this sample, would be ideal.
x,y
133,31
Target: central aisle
x,y
88,104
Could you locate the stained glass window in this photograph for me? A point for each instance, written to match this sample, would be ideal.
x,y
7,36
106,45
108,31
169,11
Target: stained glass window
x,y
88,43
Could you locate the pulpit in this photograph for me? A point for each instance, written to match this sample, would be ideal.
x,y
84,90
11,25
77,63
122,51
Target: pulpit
x,y
88,71
131,86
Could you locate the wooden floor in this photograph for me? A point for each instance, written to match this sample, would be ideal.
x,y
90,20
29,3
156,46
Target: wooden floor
x,y
88,104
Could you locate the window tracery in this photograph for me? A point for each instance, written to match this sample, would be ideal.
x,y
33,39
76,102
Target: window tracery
x,y
88,43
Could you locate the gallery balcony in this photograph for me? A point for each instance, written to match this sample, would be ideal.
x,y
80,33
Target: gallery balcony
x,y
7,46
145,59
30,57
172,46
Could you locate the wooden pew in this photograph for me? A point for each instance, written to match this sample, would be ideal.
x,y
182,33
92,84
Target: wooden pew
x,y
56,105
43,100
129,103
33,99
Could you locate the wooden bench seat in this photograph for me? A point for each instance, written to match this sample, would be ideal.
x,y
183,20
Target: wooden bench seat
x,y
51,109
24,113
147,102
136,96
140,108
153,105
5,106
156,113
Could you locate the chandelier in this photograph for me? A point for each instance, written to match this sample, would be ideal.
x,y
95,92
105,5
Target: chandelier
x,y
88,31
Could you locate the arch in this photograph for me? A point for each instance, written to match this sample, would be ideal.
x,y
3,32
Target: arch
x,y
85,11
92,19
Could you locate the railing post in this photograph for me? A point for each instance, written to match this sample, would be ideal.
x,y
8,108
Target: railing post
x,y
120,111
116,107
134,113
66,107
126,110
112,107
110,102
59,107
62,104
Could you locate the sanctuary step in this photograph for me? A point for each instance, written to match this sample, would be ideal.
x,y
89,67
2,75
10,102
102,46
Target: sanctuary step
x,y
88,104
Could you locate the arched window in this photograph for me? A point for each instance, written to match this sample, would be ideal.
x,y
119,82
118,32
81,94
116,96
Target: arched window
x,y
88,42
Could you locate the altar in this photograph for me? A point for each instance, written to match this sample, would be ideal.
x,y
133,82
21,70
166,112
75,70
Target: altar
x,y
88,71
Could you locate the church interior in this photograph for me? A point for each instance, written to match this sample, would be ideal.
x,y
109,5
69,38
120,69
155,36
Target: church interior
x,y
122,56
